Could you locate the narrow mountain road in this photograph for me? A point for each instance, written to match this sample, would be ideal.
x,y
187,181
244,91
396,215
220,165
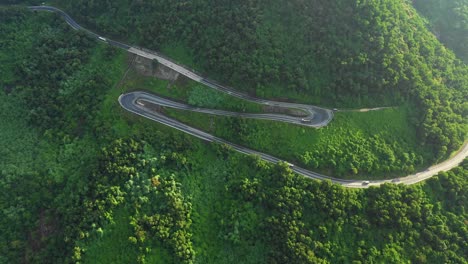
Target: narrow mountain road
x,y
136,102
147,98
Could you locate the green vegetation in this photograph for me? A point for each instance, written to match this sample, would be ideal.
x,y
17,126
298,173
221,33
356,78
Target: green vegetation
x,y
160,214
111,243
449,22
81,180
190,92
376,53
268,215
376,144
48,147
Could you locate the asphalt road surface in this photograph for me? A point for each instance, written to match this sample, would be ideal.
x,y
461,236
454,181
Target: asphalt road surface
x,y
136,103
146,98
315,116
318,116
76,26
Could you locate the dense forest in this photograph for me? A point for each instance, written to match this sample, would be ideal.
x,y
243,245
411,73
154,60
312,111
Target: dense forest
x,y
448,19
83,181
336,52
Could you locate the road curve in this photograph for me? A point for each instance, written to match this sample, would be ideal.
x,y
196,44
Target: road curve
x,y
76,26
315,116
135,103
319,116
145,98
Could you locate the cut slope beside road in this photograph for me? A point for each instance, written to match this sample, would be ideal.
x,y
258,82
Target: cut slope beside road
x,y
321,116
135,102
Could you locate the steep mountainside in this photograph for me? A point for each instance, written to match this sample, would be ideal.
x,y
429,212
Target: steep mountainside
x,y
448,19
348,53
83,181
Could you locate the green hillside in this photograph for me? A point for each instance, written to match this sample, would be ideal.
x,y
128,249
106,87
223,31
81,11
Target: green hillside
x,y
84,181
333,53
448,20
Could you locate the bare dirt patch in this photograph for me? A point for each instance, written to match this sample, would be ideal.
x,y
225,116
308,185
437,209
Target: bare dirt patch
x,y
152,68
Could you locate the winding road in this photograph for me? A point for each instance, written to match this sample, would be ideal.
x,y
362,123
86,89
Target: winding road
x,y
145,98
138,102
315,116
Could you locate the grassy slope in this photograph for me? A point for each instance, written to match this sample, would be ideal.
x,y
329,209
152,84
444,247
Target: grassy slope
x,y
375,54
393,125
189,91
205,185
290,142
